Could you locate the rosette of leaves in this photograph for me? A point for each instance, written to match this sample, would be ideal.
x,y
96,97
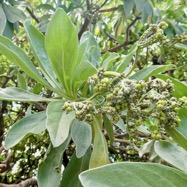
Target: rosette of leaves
x,y
78,109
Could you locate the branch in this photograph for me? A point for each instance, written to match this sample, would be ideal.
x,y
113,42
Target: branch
x,y
32,15
126,42
109,9
27,182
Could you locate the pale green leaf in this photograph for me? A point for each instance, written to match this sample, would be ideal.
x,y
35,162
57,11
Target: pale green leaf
x,y
49,171
129,174
151,71
19,58
128,6
139,4
81,133
62,47
181,46
13,14
145,148
99,146
17,94
58,122
172,154
183,126
34,123
74,168
2,19
179,138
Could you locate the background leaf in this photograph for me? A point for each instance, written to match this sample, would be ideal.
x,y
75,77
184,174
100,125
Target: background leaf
x,y
58,122
34,123
2,19
74,168
172,154
183,126
133,174
49,171
81,133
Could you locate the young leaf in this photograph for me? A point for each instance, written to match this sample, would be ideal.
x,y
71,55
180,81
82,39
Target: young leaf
x,y
74,168
133,174
146,148
81,133
180,89
18,57
49,171
172,154
34,123
179,138
62,47
151,71
37,42
58,122
99,146
17,94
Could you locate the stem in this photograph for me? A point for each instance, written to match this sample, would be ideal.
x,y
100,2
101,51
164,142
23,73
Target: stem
x,y
111,73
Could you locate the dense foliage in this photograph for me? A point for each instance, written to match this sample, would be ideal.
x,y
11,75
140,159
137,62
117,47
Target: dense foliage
x,y
93,93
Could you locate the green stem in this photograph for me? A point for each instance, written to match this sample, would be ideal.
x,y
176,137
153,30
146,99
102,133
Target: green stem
x,y
111,73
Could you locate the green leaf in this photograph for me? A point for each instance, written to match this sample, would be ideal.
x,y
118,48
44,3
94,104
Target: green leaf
x,y
183,126
17,94
58,122
74,168
172,154
8,30
81,133
21,81
147,11
121,68
34,123
181,46
179,138
13,14
139,4
128,6
151,71
18,57
180,89
133,174
37,42
2,20
49,171
89,49
145,148
109,128
62,47
99,145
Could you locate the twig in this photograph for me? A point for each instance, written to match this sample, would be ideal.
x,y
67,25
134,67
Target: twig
x,y
86,21
27,182
109,9
101,6
32,15
126,42
122,141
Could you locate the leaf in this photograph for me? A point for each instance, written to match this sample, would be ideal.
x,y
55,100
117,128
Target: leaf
x,y
128,6
81,133
99,145
181,46
62,47
37,42
180,89
179,138
109,128
13,14
8,30
49,171
18,57
133,174
74,168
127,59
147,11
183,126
139,4
17,94
58,122
34,123
21,81
89,49
145,148
2,20
150,71
172,154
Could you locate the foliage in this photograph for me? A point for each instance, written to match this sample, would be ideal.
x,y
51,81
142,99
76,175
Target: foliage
x,y
105,94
